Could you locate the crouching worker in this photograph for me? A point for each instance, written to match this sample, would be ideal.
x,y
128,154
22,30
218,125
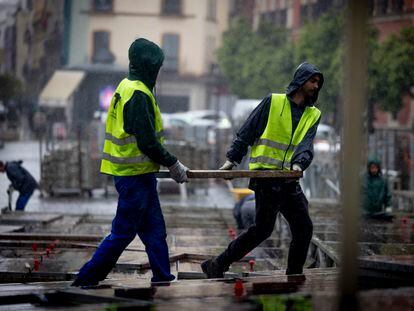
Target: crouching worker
x,y
133,152
21,180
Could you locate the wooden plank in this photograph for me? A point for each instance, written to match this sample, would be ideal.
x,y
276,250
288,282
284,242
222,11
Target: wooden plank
x,y
190,275
10,228
24,277
28,218
50,237
193,174
329,251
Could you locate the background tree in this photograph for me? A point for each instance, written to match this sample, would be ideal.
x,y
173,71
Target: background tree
x,y
10,92
392,70
258,62
322,43
255,63
10,88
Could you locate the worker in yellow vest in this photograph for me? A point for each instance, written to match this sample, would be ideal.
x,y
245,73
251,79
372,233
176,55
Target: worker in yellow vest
x,y
133,152
280,132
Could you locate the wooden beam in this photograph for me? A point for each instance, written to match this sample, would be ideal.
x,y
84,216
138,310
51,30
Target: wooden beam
x,y
50,237
193,174
25,277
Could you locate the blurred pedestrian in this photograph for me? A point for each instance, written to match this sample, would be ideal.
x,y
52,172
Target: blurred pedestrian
x,y
21,180
244,212
281,132
133,152
376,194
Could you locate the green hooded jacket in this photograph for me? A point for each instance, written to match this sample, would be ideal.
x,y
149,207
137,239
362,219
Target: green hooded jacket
x,y
145,61
376,193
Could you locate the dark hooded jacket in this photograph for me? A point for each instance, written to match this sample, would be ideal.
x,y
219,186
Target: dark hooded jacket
x,y
375,190
145,61
256,123
20,178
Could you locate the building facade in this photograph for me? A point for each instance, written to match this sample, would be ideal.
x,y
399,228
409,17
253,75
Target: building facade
x,y
30,51
389,16
189,32
291,14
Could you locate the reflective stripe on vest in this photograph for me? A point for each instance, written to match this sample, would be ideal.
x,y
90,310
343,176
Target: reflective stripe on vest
x,y
129,160
127,140
276,146
273,144
121,155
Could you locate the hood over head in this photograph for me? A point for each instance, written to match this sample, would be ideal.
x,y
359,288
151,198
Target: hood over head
x,y
374,160
302,74
145,61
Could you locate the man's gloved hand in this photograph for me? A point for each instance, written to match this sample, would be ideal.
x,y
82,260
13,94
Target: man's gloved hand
x,y
178,172
296,167
228,165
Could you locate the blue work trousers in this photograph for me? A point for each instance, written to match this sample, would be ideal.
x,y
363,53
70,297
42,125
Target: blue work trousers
x,y
138,212
22,200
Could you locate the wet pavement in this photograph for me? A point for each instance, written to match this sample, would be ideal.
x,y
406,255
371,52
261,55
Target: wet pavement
x,y
211,194
197,229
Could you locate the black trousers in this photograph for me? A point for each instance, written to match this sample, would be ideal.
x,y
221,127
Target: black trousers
x,y
284,197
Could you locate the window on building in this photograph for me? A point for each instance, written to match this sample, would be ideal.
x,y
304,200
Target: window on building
x,y
171,7
101,52
210,53
398,6
212,10
382,7
277,18
371,11
170,44
103,5
306,13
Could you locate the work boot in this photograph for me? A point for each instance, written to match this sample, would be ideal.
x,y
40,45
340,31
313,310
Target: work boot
x,y
212,269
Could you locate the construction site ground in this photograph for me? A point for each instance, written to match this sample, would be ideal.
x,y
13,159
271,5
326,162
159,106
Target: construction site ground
x,y
42,248
56,245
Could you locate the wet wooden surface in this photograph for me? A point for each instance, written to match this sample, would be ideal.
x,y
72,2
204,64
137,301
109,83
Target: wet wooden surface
x,y
193,235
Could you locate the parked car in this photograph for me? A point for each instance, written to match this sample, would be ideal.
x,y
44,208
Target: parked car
x,y
197,125
326,140
198,117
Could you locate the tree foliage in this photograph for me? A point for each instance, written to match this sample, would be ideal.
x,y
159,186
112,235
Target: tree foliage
x,y
321,43
258,62
255,63
393,71
10,87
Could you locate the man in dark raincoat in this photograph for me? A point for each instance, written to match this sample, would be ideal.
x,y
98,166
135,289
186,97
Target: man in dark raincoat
x,y
376,194
281,132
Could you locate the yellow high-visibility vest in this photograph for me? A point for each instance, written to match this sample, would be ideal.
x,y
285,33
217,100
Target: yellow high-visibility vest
x,y
275,148
121,155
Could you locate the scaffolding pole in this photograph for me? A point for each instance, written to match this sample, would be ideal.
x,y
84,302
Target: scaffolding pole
x,y
354,108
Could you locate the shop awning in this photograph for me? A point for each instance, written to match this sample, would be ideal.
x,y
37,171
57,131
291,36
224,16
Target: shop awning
x,y
60,88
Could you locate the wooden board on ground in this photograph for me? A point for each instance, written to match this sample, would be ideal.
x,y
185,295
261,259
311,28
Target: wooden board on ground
x,y
28,218
10,228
